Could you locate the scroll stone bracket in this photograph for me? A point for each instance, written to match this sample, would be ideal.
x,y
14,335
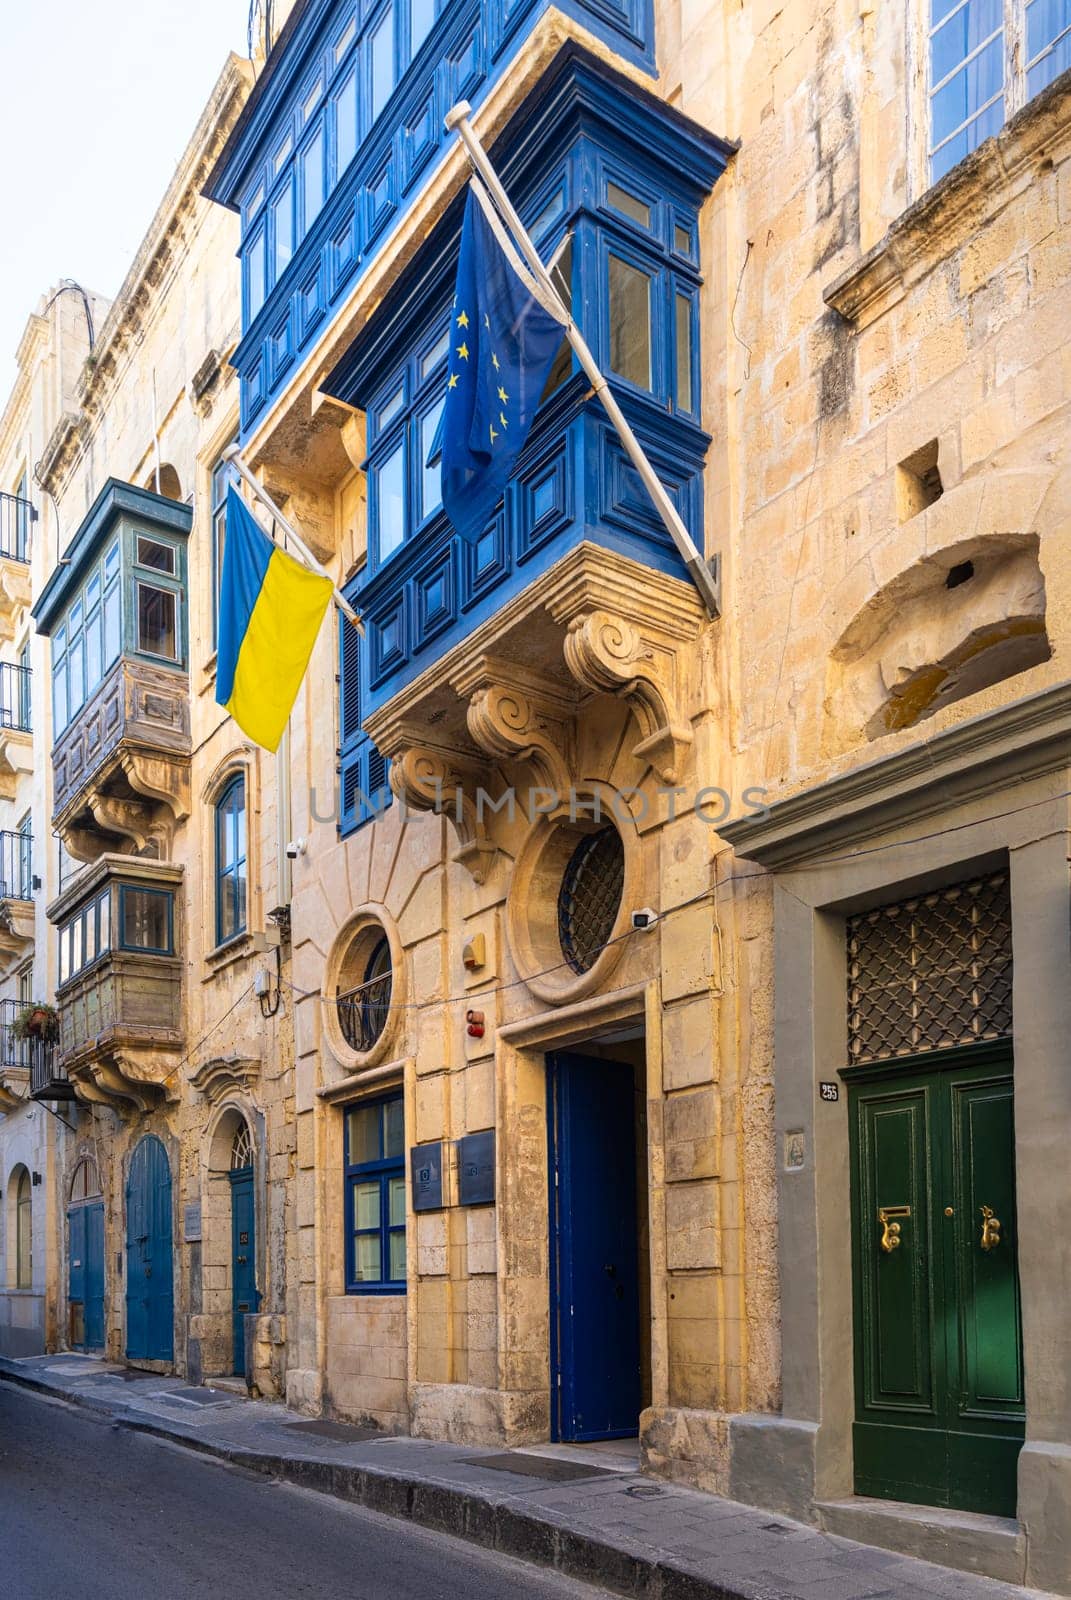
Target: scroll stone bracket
x,y
521,717
610,655
437,778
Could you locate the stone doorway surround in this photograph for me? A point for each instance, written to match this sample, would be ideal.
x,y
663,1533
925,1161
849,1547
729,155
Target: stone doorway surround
x,y
989,791
524,1289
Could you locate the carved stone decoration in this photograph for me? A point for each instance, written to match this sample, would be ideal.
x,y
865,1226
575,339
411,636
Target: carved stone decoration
x,y
159,778
437,778
129,1081
16,758
606,653
16,932
224,1075
130,819
519,716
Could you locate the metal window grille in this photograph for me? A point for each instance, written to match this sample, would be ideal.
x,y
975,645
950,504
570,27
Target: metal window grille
x,y
363,1011
931,972
590,896
241,1148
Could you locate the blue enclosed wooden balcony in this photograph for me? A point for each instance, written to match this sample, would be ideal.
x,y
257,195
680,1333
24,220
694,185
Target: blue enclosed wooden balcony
x,y
611,184
344,131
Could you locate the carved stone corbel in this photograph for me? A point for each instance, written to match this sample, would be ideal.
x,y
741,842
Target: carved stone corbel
x,y
160,778
130,819
606,653
520,716
438,778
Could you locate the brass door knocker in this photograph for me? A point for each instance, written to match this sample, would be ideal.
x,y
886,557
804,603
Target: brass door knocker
x,y
890,1230
990,1229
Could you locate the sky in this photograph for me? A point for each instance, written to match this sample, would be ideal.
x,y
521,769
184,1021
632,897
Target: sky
x,y
100,98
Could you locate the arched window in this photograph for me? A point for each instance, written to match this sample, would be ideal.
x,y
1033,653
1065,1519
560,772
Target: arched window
x,y
23,1233
85,1185
363,1008
231,861
241,1148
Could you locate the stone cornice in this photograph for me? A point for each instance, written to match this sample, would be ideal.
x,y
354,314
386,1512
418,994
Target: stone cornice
x,y
1024,740
30,351
166,241
968,197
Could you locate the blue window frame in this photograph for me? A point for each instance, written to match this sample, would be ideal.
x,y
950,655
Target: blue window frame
x,y
375,1197
364,791
231,861
88,641
223,475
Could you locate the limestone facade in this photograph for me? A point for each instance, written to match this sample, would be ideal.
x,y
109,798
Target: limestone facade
x,y
879,710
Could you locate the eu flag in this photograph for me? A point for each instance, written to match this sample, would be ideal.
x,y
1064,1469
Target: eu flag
x,y
502,347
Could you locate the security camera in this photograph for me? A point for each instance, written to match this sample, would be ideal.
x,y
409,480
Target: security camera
x,y
295,848
644,919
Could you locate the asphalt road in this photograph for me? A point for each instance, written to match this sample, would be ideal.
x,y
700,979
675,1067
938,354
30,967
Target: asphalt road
x,y
90,1510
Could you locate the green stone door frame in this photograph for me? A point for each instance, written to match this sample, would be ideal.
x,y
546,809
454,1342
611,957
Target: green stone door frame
x,y
987,793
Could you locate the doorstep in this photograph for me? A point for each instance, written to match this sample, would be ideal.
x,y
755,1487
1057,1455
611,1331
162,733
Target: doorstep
x,y
964,1540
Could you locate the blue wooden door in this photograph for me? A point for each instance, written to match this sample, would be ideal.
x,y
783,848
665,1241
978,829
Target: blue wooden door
x,y
243,1259
595,1303
149,1303
85,1281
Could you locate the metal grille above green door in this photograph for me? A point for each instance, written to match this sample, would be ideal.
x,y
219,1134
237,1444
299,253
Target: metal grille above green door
x,y
931,972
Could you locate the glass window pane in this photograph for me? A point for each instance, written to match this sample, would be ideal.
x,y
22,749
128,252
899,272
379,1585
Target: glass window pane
x,y
94,647
157,632
436,354
394,1128
684,353
968,91
952,42
64,963
346,124
397,1202
59,692
104,921
362,1132
160,557
390,409
281,156
430,461
146,919
1048,42
629,205
550,213
255,274
422,15
366,1205
344,40
367,1254
682,240
630,322
91,933
397,1257
283,213
312,168
111,624
383,62
390,502
76,672
77,946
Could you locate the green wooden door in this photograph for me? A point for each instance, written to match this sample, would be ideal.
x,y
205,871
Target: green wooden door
x,y
938,1369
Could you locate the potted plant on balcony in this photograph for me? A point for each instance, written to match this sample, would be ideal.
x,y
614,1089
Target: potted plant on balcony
x,y
37,1020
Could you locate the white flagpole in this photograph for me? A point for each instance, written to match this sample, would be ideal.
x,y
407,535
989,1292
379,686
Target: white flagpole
x,y
457,120
233,457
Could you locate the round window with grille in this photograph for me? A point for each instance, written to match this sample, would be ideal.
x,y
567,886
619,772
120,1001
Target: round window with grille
x,y
363,1008
590,897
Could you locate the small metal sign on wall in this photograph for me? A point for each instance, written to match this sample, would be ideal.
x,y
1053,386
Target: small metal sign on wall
x,y
426,1168
191,1223
476,1169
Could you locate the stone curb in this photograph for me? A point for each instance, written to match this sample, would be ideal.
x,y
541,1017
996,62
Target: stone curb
x,y
464,1513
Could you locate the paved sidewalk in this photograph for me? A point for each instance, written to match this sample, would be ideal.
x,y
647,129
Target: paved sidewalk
x,y
590,1514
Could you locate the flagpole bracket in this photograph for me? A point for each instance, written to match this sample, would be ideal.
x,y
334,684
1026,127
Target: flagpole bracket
x,y
706,576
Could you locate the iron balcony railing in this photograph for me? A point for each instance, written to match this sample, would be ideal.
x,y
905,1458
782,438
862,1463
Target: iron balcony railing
x,y
17,516
17,881
15,697
362,1012
13,1052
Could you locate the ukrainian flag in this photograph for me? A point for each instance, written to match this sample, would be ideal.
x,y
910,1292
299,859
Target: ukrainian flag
x,y
270,611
